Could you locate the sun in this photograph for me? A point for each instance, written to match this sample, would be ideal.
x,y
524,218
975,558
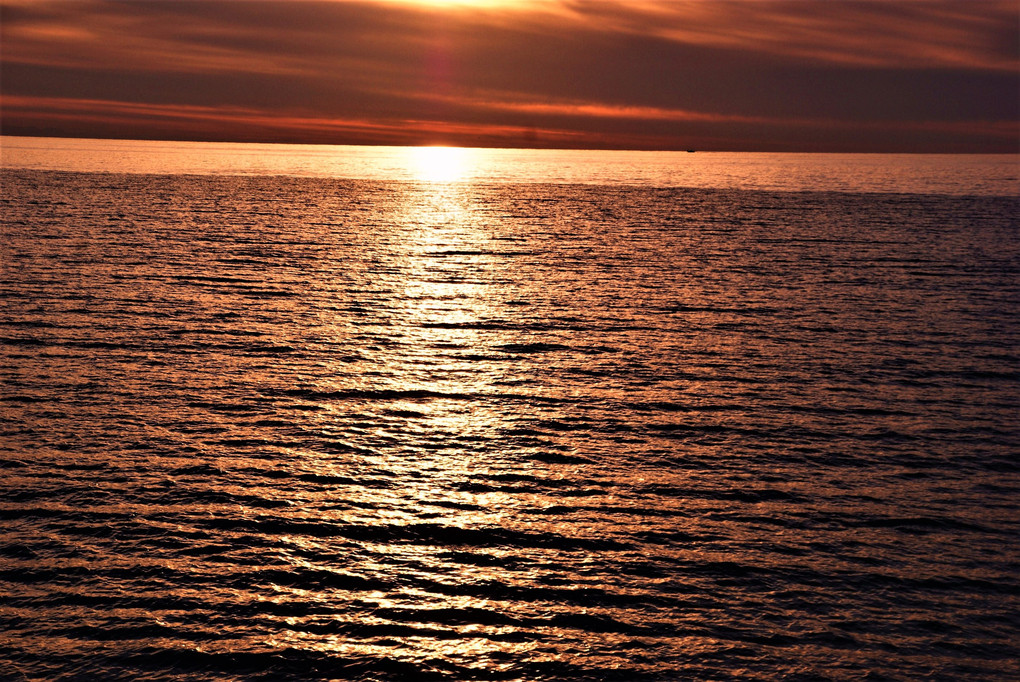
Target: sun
x,y
521,5
439,164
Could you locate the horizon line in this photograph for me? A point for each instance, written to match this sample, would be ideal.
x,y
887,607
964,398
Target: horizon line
x,y
553,147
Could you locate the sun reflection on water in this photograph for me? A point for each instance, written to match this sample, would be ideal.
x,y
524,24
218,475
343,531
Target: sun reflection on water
x,y
428,419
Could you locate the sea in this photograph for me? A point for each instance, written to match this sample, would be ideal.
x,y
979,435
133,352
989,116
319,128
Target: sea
x,y
281,412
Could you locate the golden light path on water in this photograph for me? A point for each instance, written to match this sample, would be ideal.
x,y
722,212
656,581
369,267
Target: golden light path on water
x,y
443,280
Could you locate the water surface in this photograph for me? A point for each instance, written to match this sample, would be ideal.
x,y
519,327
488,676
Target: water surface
x,y
277,427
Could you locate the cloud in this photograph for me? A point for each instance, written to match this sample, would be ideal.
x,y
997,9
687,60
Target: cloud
x,y
646,73
948,33
207,122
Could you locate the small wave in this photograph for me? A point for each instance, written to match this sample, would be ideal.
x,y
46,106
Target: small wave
x,y
418,534
24,341
558,458
525,348
22,398
374,394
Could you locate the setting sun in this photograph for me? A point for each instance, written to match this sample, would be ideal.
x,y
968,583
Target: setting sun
x,y
439,164
464,3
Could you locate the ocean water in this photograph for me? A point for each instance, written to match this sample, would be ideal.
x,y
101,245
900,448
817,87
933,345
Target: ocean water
x,y
428,415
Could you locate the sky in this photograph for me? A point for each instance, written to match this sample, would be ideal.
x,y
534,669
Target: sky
x,y
733,75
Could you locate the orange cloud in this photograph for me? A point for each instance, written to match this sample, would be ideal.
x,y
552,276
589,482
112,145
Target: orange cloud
x,y
946,33
172,118
735,74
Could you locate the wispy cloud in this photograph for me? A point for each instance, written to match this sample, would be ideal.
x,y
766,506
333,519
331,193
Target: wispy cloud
x,y
937,33
736,73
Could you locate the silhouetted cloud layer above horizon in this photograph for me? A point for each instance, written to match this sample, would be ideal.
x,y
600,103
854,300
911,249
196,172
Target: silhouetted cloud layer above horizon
x,y
708,74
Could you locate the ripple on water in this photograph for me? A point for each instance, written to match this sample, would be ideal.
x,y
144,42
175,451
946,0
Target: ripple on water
x,y
280,428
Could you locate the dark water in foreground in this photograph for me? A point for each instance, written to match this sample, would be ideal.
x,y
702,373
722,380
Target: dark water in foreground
x,y
271,428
